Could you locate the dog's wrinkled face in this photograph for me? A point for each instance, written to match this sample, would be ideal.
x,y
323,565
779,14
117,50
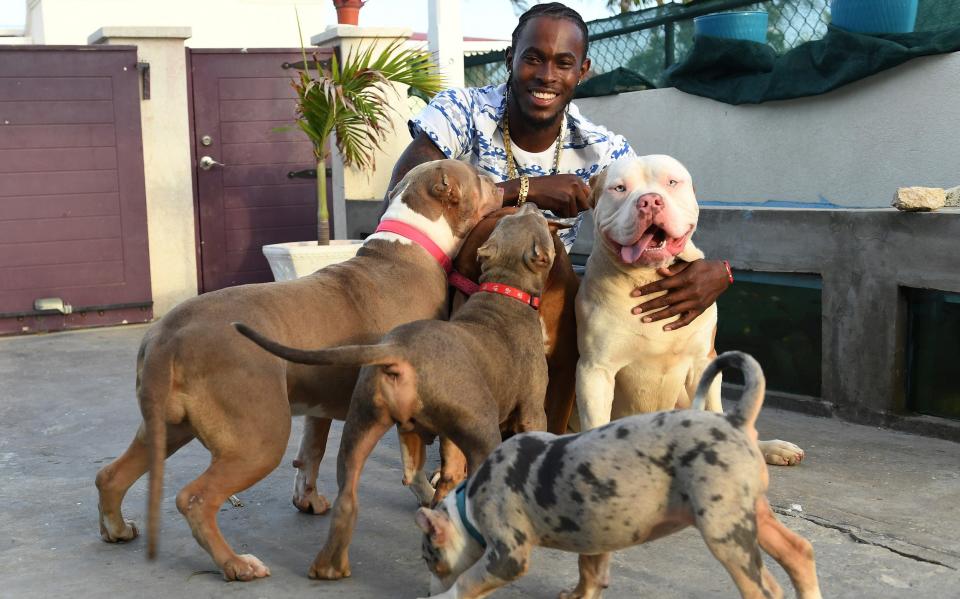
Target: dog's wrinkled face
x,y
449,189
645,209
522,236
446,546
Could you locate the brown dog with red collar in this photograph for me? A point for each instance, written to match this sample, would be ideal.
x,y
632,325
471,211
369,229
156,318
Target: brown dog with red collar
x,y
495,339
558,321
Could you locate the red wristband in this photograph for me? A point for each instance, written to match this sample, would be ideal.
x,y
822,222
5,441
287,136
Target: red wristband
x,y
726,264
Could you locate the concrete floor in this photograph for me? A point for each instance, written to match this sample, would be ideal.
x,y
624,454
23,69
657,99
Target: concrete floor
x,y
880,507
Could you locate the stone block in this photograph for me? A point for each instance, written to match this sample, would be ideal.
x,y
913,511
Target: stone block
x,y
919,199
953,197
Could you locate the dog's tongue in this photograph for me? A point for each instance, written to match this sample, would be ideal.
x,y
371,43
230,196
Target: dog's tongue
x,y
631,253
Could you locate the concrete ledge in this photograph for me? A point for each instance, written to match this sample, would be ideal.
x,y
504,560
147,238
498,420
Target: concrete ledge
x,y
106,33
338,32
813,406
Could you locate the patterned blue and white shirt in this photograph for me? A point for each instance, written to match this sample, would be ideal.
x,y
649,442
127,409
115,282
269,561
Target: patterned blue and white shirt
x,y
465,124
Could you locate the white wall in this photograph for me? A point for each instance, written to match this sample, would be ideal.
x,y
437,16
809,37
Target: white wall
x,y
852,147
215,23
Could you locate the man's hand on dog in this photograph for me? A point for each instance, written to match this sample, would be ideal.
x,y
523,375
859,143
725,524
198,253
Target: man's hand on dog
x,y
691,287
564,195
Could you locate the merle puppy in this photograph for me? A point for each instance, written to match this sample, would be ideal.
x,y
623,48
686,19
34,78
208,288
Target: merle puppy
x,y
632,481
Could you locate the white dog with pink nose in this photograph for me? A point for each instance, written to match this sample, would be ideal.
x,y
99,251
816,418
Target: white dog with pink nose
x,y
645,214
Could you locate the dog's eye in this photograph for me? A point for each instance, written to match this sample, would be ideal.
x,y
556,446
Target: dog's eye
x,y
673,183
620,188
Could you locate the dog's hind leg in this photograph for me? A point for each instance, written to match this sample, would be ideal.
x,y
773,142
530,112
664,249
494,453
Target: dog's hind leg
x,y
115,479
200,501
413,454
734,544
594,577
244,448
313,445
791,551
367,422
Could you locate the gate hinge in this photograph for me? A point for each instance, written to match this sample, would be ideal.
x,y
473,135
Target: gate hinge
x,y
144,69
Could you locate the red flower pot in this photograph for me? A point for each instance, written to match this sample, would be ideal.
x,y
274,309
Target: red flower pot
x,y
348,11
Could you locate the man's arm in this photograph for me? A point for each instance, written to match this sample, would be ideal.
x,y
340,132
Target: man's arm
x,y
566,195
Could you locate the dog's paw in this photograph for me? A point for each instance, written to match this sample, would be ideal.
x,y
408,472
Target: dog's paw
x,y
422,489
244,567
323,569
781,453
305,495
311,503
127,533
577,593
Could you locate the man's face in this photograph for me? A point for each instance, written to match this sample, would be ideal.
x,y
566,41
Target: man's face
x,y
546,64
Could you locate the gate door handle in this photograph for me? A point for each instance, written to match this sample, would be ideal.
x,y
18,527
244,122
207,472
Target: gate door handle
x,y
207,163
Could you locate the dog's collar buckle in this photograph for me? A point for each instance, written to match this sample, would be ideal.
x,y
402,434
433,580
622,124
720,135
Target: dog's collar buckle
x,y
531,300
461,497
415,235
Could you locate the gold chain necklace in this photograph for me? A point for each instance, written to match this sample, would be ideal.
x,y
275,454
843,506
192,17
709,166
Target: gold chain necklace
x,y
511,162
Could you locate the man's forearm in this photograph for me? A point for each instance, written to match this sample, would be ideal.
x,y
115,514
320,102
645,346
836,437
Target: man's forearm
x,y
511,191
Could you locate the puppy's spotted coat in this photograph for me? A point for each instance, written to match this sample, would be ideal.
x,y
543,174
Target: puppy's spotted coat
x,y
632,481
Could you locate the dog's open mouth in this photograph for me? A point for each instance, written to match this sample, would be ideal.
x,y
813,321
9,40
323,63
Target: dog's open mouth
x,y
654,242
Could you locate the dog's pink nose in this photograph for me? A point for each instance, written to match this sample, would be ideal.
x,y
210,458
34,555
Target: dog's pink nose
x,y
650,202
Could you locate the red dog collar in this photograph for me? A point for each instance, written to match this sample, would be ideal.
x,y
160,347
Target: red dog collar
x,y
415,235
462,283
531,300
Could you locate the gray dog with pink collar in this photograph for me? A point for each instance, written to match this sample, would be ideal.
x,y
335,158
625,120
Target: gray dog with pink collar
x,y
495,340
634,480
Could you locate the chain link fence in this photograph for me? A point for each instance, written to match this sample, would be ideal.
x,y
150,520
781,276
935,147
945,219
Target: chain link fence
x,y
648,41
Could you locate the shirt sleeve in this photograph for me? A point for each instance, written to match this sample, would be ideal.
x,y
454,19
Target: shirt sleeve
x,y
448,121
619,147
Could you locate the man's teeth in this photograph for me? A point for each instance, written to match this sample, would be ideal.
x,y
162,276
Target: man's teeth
x,y
544,95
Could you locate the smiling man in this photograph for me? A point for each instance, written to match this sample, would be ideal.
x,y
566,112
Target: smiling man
x,y
531,138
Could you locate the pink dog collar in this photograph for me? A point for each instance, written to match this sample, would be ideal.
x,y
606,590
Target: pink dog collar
x,y
415,235
531,300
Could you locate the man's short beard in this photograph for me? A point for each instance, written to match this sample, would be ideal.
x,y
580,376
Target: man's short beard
x,y
534,123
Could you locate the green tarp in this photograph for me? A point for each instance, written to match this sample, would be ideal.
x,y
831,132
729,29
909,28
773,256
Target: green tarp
x,y
617,81
743,72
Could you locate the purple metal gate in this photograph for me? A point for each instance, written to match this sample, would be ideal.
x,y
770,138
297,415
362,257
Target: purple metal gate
x,y
255,190
73,221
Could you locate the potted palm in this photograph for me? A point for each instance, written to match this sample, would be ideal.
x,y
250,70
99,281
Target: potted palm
x,y
349,99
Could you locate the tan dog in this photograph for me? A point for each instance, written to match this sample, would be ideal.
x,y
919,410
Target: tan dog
x,y
464,379
195,378
645,213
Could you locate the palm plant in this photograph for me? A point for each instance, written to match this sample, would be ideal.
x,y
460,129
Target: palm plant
x,y
349,99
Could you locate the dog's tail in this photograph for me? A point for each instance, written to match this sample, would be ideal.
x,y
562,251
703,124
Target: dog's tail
x,y
754,386
346,355
153,388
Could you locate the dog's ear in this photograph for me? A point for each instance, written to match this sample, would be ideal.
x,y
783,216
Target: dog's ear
x,y
597,183
446,187
488,250
430,523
